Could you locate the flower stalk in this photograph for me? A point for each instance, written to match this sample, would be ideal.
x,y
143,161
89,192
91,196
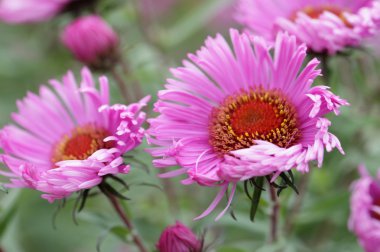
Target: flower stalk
x,y
136,87
273,235
325,66
297,205
119,210
121,84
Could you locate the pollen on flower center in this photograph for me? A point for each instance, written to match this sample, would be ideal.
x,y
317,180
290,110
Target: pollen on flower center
x,y
315,12
81,143
254,115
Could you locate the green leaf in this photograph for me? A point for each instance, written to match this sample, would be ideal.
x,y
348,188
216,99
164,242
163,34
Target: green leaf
x,y
256,196
3,189
6,218
289,182
120,232
233,216
76,204
83,201
246,190
119,180
150,185
109,189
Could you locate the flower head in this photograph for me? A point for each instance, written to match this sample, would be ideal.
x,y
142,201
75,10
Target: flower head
x,y
28,11
178,238
68,138
92,41
324,25
232,114
33,11
365,211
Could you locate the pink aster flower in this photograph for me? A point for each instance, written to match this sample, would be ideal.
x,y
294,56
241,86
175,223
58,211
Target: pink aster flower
x,y
365,211
234,113
68,138
178,238
29,11
92,41
324,25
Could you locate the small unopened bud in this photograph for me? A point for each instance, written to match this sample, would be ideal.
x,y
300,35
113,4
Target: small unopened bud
x,y
178,238
92,41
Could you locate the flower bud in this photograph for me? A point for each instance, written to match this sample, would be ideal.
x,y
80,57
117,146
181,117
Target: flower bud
x,y
178,238
365,210
92,41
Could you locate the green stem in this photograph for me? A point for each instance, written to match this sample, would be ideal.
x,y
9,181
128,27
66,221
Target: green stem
x,y
136,87
274,215
119,210
304,183
325,59
121,84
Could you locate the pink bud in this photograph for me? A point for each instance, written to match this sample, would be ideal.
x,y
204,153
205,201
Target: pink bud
x,y
92,41
365,211
178,238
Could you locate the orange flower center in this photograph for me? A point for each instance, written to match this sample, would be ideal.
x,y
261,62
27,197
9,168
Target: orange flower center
x,y
316,12
81,143
250,116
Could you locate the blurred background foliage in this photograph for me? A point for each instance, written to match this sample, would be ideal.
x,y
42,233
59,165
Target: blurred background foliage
x,y
157,35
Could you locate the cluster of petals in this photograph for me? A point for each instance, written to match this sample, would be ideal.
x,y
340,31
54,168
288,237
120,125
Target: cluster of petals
x,y
178,238
181,130
324,25
29,11
365,210
90,39
45,119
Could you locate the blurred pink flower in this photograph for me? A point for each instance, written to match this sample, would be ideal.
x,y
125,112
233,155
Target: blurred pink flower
x,y
219,19
235,113
29,11
324,25
68,138
224,18
92,41
365,211
373,45
178,238
155,8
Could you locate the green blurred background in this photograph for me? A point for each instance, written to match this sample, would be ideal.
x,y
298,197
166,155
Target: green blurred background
x,y
157,35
